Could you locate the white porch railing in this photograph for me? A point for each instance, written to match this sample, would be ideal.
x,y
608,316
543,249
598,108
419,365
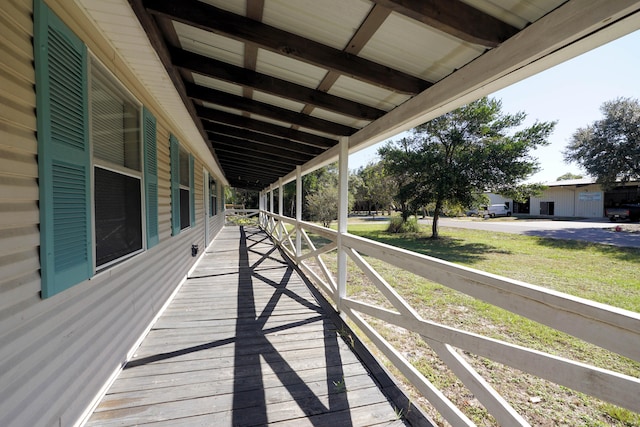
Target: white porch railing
x,y
611,328
235,215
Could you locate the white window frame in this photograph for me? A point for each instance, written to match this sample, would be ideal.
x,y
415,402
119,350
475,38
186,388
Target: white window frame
x,y
121,90
183,151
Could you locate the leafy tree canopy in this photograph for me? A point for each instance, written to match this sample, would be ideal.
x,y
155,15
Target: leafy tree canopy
x,y
609,149
371,187
461,153
321,198
568,176
241,197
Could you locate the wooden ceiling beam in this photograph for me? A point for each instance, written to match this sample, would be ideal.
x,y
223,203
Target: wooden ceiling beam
x,y
248,78
225,99
252,174
261,138
251,169
376,17
220,140
263,127
215,20
248,183
255,167
255,9
454,18
157,40
225,151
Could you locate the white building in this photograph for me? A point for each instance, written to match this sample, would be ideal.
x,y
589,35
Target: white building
x,y
574,198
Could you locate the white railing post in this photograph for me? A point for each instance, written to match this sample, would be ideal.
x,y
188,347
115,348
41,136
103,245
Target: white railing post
x,y
343,211
298,211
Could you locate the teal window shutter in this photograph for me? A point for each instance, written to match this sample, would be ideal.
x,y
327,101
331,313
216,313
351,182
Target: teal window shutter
x,y
64,162
192,196
174,150
150,176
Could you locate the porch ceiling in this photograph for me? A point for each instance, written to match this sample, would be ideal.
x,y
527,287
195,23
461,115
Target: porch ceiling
x,y
272,84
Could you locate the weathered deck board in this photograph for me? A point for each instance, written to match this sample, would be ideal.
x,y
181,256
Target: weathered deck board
x,y
244,343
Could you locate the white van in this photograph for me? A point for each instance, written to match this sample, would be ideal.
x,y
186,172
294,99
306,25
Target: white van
x,y
495,210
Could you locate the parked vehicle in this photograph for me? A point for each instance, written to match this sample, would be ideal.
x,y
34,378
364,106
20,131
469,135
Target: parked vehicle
x,y
630,212
495,210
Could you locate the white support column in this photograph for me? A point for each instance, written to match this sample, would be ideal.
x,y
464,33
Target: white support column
x,y
343,212
271,200
298,210
261,207
280,198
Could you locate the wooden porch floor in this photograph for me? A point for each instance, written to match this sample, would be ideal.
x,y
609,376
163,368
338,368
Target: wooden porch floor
x,y
244,343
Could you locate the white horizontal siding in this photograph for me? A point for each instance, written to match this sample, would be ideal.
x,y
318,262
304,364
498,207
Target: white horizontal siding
x,y
56,354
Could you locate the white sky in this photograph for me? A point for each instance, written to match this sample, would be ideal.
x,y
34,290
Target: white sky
x,y
571,94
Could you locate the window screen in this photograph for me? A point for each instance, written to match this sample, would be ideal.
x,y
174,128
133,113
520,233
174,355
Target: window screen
x,y
118,215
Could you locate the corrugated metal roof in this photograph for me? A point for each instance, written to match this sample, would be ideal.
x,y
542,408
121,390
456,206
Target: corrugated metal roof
x,y
289,69
310,71
570,182
330,22
414,48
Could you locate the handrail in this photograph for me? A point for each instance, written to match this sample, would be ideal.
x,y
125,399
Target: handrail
x,y
612,328
247,213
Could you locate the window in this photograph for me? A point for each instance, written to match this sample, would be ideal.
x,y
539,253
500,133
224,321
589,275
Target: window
x,y
182,183
213,197
92,177
185,202
117,169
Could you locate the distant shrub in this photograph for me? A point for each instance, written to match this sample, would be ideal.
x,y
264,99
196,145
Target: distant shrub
x,y
238,220
397,225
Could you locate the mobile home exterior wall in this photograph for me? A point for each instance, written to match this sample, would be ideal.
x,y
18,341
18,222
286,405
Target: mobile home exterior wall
x,y
56,353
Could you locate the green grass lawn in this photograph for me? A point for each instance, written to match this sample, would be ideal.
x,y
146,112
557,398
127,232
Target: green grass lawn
x,y
601,273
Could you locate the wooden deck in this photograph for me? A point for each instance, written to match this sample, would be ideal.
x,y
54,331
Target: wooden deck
x,y
244,343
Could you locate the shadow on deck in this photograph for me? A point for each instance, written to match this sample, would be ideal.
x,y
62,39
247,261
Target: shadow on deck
x,y
245,342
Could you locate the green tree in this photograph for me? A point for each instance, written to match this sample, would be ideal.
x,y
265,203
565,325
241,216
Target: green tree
x,y
464,152
322,196
609,149
521,192
323,205
315,182
241,197
401,161
568,176
372,188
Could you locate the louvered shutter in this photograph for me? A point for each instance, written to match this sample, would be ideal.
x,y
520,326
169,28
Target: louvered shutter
x,y
63,153
174,149
150,176
192,196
